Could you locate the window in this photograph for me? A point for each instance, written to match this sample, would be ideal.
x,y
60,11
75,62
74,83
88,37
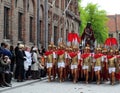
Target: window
x,y
31,29
28,6
62,33
16,3
50,1
6,23
67,35
62,4
20,26
110,35
49,34
119,38
40,31
55,35
57,3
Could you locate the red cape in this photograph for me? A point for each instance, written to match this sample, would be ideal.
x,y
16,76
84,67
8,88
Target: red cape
x,y
97,55
111,41
73,36
72,54
109,56
60,52
48,53
85,55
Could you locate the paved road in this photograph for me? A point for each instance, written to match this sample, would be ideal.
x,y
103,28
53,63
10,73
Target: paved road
x,y
43,86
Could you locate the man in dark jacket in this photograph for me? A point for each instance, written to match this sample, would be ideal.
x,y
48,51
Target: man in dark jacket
x,y
20,64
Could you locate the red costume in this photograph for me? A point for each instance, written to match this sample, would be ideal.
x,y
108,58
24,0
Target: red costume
x,y
118,68
105,68
111,41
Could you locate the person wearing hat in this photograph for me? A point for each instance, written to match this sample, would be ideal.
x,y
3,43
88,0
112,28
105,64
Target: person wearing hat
x,y
105,65
98,64
86,61
27,62
67,62
61,61
50,57
20,63
35,63
117,65
54,68
74,63
111,66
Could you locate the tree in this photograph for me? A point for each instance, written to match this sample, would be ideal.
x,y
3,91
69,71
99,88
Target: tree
x,y
98,19
83,17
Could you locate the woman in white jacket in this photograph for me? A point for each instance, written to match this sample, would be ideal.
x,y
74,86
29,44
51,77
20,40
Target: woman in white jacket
x,y
27,62
35,64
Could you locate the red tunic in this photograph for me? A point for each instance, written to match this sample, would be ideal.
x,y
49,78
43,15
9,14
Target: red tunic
x,y
117,75
48,53
105,69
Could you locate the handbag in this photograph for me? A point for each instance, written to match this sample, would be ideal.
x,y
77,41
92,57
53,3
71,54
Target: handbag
x,y
1,69
32,59
33,62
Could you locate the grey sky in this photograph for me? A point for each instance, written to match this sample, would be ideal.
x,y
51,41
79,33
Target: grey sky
x,y
111,6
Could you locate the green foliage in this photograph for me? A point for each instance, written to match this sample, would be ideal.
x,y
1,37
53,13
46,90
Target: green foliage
x,y
83,17
98,19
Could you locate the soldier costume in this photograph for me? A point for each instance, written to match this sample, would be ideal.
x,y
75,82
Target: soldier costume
x,y
98,64
112,66
74,63
86,58
50,56
61,61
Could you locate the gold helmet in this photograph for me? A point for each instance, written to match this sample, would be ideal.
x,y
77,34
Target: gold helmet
x,y
111,50
87,48
50,46
99,48
104,50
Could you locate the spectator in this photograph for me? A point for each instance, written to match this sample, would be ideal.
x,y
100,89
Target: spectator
x,y
20,64
42,50
16,58
27,63
4,49
5,71
35,64
12,58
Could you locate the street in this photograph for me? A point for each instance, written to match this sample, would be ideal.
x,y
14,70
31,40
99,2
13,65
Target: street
x,y
43,86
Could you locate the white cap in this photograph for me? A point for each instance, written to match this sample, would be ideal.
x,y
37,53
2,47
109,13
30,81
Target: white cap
x,y
21,46
34,48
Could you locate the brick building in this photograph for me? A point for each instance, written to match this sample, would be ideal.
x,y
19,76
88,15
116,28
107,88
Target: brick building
x,y
19,21
114,26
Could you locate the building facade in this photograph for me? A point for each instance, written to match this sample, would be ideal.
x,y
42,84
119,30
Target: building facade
x,y
114,26
20,21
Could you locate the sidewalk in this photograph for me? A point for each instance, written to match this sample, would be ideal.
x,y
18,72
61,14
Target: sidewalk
x,y
16,84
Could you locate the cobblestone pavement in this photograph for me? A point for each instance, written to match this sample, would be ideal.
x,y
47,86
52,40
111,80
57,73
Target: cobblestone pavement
x,y
42,86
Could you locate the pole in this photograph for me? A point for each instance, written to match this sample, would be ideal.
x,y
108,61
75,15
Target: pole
x,y
46,23
38,23
67,7
53,3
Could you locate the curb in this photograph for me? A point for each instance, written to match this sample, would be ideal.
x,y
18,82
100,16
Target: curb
x,y
21,85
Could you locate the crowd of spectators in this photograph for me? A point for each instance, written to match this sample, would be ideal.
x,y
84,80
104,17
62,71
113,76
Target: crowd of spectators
x,y
20,63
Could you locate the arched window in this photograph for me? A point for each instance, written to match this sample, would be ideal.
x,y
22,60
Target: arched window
x,y
16,3
6,23
31,21
72,27
41,24
28,5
